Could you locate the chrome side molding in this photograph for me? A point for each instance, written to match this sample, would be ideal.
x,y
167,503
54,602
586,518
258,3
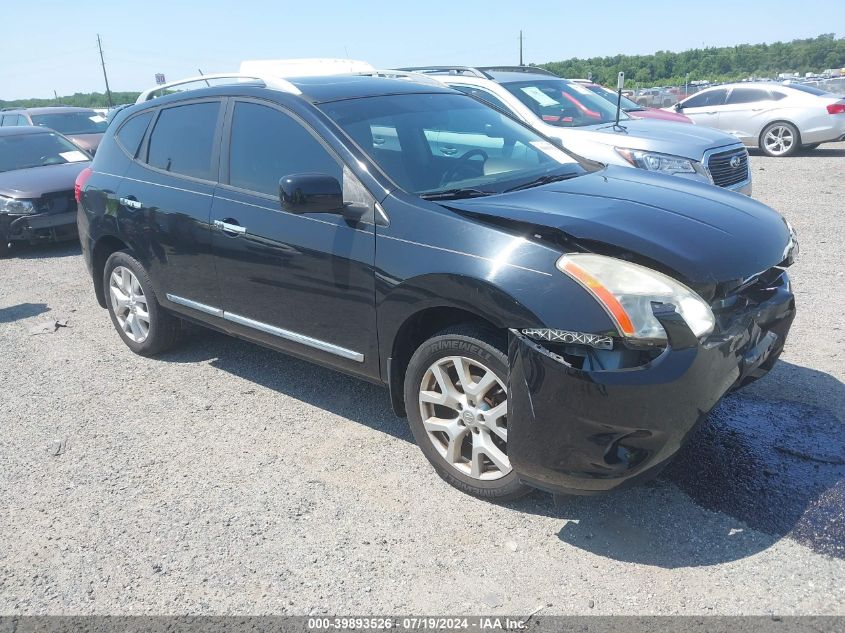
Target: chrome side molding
x,y
196,305
288,335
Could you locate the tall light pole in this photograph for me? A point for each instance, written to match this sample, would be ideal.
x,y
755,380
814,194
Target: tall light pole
x,y
520,48
105,76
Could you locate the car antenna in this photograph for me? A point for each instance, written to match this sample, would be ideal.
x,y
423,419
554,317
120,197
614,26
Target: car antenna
x,y
620,83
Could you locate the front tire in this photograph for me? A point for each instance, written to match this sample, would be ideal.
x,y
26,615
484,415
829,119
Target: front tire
x,y
456,399
780,139
135,312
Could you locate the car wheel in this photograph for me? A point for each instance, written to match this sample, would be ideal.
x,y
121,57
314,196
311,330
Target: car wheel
x,y
780,139
457,401
4,246
136,314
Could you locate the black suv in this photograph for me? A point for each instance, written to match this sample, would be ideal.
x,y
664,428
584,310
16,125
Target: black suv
x,y
542,321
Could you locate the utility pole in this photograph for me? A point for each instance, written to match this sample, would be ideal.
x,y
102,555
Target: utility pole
x,y
108,91
56,95
520,48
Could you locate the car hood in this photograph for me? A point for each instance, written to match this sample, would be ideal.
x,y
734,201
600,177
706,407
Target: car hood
x,y
705,234
34,182
88,142
660,115
665,137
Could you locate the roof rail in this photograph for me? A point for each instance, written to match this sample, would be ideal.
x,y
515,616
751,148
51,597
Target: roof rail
x,y
519,69
403,74
274,83
448,70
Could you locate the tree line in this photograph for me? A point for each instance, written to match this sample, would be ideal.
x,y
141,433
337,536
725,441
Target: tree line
x,y
728,63
79,99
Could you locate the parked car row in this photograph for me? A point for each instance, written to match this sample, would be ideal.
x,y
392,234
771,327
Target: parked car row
x,y
543,320
83,126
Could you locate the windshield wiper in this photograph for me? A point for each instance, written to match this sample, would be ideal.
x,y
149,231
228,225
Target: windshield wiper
x,y
542,180
455,194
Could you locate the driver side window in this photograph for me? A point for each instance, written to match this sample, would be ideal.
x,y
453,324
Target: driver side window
x,y
267,145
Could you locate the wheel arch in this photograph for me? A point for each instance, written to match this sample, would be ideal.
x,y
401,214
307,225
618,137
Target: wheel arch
x,y
441,301
101,251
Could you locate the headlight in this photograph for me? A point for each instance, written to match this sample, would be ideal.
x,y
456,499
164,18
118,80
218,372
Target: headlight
x,y
626,291
16,207
663,163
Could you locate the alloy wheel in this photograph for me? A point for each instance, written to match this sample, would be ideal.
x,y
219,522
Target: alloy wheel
x,y
779,140
129,304
464,407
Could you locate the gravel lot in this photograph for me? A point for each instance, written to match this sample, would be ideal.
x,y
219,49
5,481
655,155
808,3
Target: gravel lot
x,y
225,478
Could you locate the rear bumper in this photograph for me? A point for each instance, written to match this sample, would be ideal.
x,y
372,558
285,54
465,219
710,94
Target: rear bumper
x,y
41,226
572,431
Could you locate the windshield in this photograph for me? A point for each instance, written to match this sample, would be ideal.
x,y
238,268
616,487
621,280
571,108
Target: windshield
x,y
563,103
22,151
88,122
430,143
611,97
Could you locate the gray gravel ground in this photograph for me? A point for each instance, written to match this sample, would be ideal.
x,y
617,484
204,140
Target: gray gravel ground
x,y
225,478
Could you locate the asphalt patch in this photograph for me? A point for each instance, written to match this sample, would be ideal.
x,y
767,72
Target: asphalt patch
x,y
777,466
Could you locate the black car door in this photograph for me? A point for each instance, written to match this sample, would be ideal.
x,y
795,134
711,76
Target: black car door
x,y
301,282
165,202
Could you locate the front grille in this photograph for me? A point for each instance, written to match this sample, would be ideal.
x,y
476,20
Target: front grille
x,y
724,174
59,202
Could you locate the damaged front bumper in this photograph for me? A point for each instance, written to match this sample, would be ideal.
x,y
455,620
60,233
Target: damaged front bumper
x,y
576,431
39,226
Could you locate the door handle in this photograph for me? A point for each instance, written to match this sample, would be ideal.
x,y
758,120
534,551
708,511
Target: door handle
x,y
449,151
131,202
230,227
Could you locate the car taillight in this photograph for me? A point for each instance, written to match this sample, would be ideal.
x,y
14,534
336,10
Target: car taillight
x,y
836,108
81,179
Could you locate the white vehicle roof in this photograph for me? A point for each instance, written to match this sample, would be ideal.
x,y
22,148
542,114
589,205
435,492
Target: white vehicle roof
x,y
304,67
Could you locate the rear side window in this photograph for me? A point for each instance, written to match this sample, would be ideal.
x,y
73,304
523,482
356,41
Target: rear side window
x,y
132,132
704,99
747,95
267,145
182,141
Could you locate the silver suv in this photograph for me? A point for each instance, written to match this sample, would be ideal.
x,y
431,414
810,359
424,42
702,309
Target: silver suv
x,y
585,123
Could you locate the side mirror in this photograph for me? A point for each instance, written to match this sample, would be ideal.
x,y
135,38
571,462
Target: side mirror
x,y
311,193
678,107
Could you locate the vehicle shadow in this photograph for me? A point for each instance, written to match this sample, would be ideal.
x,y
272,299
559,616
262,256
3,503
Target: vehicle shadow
x,y
68,248
775,466
819,152
356,399
22,311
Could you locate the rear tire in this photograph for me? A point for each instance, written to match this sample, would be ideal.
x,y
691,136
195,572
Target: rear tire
x,y
461,425
780,139
145,327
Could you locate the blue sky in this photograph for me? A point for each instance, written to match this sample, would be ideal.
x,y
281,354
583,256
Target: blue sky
x,y
52,44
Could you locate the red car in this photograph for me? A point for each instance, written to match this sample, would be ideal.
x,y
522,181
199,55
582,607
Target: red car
x,y
634,109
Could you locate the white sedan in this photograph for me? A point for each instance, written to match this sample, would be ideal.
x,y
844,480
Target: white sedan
x,y
778,118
